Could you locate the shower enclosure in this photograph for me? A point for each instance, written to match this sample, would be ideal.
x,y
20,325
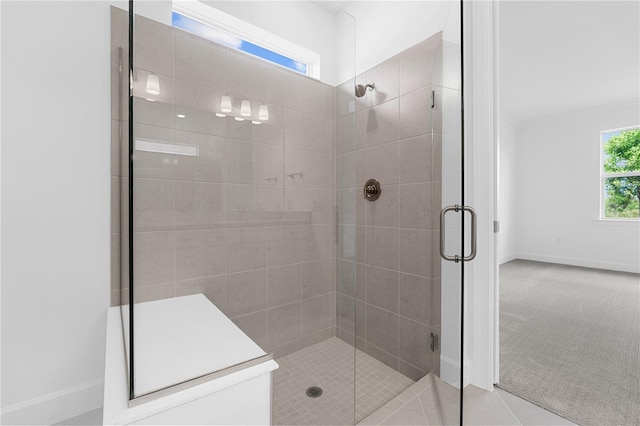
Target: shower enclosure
x,y
295,191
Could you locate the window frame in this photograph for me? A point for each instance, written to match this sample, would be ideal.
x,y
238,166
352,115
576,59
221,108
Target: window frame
x,y
604,176
246,32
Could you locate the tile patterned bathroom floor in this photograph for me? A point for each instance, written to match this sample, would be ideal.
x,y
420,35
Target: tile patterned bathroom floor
x,y
330,365
431,401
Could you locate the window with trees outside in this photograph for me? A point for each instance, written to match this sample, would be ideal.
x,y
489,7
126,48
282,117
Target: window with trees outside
x,y
620,172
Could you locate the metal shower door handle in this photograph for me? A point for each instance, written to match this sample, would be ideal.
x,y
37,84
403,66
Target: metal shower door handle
x,y
456,208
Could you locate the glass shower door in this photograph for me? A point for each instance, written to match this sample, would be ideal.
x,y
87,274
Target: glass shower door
x,y
400,299
233,181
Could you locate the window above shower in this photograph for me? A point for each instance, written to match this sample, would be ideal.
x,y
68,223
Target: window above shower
x,y
214,25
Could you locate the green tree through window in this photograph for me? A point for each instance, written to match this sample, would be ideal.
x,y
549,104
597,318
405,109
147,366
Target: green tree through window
x,y
621,174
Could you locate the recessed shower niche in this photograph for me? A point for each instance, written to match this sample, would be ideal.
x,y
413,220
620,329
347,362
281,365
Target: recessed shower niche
x,y
246,179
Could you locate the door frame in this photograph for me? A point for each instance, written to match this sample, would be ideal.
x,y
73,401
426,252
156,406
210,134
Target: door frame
x,y
481,148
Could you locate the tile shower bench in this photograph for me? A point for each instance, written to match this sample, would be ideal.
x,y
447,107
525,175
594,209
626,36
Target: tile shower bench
x,y
177,340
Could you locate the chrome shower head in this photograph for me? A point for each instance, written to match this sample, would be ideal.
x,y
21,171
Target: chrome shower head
x,y
362,89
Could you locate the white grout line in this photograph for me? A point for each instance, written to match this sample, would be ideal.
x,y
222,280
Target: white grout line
x,y
507,405
424,413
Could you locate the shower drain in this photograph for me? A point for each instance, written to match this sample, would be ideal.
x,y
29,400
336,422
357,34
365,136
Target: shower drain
x,y
314,392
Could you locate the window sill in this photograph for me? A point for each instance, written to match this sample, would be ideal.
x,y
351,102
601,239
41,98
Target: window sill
x,y
618,222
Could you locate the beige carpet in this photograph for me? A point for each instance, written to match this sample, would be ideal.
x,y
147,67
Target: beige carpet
x,y
570,341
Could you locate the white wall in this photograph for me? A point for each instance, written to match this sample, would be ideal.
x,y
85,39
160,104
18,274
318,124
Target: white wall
x,y
558,163
507,190
385,28
55,207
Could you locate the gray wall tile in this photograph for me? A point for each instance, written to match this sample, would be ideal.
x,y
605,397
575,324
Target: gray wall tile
x,y
382,247
214,288
382,288
309,132
384,211
416,206
154,204
283,245
200,205
415,117
284,284
385,76
415,301
414,340
246,292
199,61
382,329
284,324
255,326
416,158
200,253
153,254
245,75
416,64
416,252
382,163
318,313
246,249
383,123
198,104
149,293
381,355
154,46
318,278
153,164
212,163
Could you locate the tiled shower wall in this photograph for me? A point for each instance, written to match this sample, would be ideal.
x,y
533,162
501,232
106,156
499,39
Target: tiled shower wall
x,y
388,264
250,220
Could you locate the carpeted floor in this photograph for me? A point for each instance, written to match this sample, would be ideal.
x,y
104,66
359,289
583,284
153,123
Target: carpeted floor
x,y
570,340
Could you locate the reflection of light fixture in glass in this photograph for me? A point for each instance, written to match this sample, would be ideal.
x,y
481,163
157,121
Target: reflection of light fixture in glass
x,y
221,115
181,116
263,113
165,147
256,122
245,108
238,118
149,99
225,104
153,84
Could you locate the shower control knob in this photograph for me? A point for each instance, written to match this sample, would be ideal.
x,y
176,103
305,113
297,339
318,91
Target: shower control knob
x,y
372,190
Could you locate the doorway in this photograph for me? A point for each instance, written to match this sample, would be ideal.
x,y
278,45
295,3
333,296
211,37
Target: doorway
x,y
568,249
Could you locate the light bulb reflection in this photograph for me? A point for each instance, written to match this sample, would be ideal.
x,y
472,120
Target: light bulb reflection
x,y
245,109
225,104
263,113
153,84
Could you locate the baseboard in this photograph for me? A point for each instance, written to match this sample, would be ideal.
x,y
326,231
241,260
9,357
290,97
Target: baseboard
x,y
56,406
507,258
450,371
580,262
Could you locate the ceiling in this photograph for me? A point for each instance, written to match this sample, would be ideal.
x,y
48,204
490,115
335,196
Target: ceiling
x,y
560,56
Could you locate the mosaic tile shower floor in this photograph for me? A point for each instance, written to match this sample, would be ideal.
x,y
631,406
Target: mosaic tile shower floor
x,y
330,365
